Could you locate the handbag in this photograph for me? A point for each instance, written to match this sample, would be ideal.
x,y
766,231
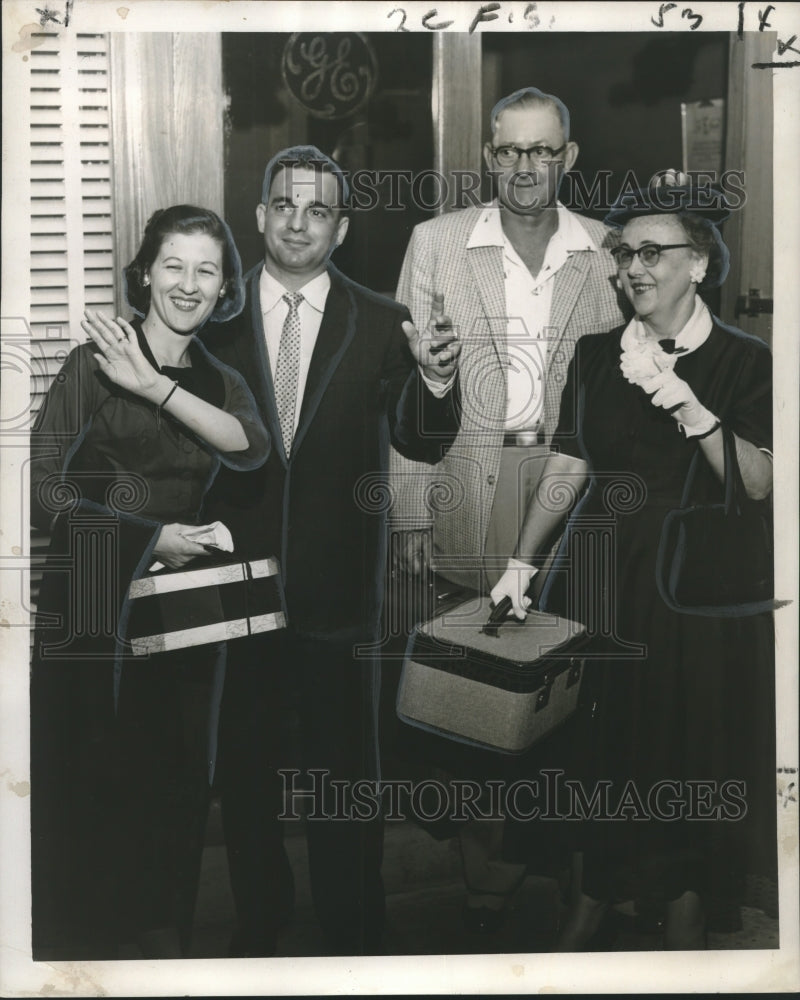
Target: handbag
x,y
717,559
206,603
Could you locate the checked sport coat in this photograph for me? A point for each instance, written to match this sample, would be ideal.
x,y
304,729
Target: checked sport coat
x,y
457,494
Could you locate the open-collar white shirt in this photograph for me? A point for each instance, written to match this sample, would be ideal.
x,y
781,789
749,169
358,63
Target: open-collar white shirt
x,y
529,301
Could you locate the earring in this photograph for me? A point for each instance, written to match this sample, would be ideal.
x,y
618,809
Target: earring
x,y
697,273
222,292
619,283
146,281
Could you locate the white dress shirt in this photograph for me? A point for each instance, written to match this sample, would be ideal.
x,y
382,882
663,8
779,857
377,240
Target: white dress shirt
x,y
528,304
275,309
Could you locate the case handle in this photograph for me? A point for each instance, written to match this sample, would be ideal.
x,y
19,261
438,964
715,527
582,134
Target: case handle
x,y
497,617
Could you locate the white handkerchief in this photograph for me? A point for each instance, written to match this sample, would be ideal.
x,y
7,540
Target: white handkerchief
x,y
216,535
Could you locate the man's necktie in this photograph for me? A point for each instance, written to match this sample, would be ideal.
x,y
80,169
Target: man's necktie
x,y
288,369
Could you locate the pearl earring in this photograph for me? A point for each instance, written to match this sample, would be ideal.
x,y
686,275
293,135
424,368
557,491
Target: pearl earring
x,y
619,283
146,281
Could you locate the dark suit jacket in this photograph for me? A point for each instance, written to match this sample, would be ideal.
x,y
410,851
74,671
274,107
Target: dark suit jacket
x,y
323,512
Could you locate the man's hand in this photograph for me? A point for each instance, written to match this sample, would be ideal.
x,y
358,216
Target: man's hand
x,y
412,552
436,353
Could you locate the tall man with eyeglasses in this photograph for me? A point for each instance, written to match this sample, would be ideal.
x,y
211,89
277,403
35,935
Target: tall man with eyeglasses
x,y
520,279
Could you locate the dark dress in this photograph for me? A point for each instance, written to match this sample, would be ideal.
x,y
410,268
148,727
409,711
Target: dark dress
x,y
680,705
121,747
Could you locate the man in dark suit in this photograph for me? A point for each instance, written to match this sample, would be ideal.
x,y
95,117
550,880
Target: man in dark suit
x,y
339,373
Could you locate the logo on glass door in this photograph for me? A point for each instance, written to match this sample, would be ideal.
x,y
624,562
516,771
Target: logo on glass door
x,y
331,74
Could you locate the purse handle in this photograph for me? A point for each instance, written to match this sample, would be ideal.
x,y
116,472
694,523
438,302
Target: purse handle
x,y
734,484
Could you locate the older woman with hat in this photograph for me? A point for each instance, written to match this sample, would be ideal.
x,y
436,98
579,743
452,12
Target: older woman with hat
x,y
672,748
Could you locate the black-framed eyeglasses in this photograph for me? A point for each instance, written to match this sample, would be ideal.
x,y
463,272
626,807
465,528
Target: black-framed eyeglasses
x,y
648,254
509,155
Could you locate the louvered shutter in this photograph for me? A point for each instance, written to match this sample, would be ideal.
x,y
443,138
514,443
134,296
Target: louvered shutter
x,y
71,260
71,235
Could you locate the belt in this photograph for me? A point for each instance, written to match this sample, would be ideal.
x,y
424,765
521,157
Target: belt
x,y
520,439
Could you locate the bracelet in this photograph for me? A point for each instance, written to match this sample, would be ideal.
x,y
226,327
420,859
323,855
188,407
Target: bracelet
x,y
709,432
166,399
169,394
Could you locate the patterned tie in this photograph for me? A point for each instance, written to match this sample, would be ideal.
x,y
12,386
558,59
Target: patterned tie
x,y
288,369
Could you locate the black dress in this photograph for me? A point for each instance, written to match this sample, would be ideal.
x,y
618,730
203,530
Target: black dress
x,y
680,714
121,746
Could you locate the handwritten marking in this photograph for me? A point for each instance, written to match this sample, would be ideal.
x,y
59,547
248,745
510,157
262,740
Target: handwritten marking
x,y
434,27
399,10
762,18
783,46
740,27
531,16
485,13
488,12
775,65
665,8
46,15
689,13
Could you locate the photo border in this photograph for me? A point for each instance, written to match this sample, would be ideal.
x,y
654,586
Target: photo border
x,y
640,972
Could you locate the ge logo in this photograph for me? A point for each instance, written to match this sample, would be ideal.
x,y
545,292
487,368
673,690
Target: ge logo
x,y
331,75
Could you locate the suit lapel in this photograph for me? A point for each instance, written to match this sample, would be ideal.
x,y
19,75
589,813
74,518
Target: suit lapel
x,y
335,335
567,286
487,272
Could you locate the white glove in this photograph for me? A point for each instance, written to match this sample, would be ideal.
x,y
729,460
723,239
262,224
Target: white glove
x,y
513,583
673,394
642,361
